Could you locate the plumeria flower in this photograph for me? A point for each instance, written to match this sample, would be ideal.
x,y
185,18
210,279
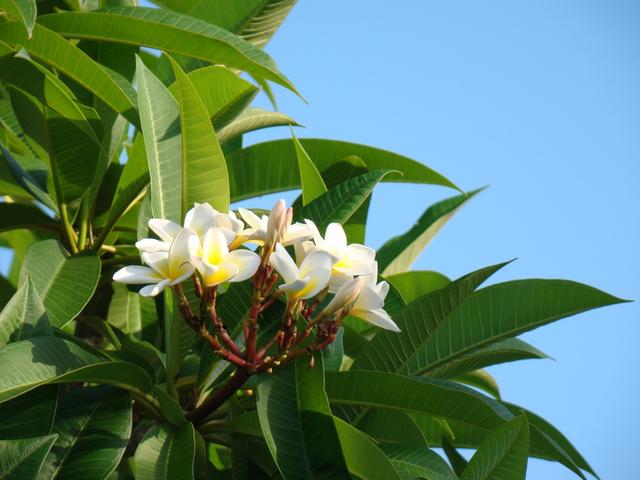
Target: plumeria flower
x,y
259,226
306,281
368,305
217,264
345,296
349,260
165,268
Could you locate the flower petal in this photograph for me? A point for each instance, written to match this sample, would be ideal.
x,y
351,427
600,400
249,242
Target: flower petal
x,y
293,288
296,233
252,219
200,218
246,261
316,259
159,261
153,290
335,236
165,229
220,274
152,245
136,274
284,264
376,317
215,246
317,279
346,294
369,299
181,249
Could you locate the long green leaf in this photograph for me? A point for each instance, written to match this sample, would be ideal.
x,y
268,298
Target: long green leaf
x,y
412,285
397,352
273,165
64,283
398,254
93,426
52,49
16,215
22,459
503,455
131,312
168,31
438,398
26,364
311,182
342,201
204,170
364,458
482,380
297,424
505,310
24,316
413,461
253,119
391,426
23,10
166,453
26,180
29,415
160,119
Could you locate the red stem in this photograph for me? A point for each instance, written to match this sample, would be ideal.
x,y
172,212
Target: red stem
x,y
217,398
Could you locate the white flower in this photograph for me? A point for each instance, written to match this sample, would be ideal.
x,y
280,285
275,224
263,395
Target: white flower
x,y
259,226
349,260
165,267
306,281
217,264
368,305
345,295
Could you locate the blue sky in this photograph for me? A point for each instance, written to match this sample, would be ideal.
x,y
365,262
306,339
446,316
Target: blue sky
x,y
539,99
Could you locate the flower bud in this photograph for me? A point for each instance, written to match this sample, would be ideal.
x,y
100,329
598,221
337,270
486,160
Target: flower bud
x,y
345,296
276,223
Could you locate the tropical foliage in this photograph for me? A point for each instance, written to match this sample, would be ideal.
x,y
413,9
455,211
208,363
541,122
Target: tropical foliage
x,y
151,330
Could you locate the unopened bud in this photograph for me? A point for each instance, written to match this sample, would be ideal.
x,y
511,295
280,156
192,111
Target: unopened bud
x,y
345,296
276,223
312,361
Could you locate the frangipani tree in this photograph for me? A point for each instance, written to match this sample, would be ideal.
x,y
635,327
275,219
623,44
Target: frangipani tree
x,y
150,329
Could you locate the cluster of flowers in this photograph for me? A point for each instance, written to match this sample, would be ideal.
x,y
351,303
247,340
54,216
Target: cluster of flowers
x,y
213,247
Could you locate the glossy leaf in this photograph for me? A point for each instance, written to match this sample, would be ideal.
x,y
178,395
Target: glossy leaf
x,y
160,119
342,201
52,49
22,459
297,424
398,254
253,119
23,10
17,215
168,31
482,380
414,284
503,455
204,171
24,316
391,426
131,312
505,310
312,184
29,415
64,283
166,453
26,364
93,426
413,461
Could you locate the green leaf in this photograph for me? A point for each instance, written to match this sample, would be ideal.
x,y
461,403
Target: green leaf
x,y
26,180
297,424
50,48
457,461
273,165
131,312
398,254
169,31
22,459
507,350
23,10
160,119
505,310
412,285
17,215
503,455
93,426
437,398
342,201
29,415
364,458
26,364
312,184
166,452
401,352
7,290
254,20
204,170
391,426
413,461
24,316
482,380
64,283
253,119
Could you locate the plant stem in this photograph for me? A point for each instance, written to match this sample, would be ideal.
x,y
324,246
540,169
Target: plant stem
x,y
218,397
68,229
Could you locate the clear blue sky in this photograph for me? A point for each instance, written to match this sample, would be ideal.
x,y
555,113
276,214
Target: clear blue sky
x,y
539,99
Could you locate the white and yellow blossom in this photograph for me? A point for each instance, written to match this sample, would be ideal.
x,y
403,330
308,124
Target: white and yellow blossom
x,y
217,264
368,305
165,268
305,281
278,222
